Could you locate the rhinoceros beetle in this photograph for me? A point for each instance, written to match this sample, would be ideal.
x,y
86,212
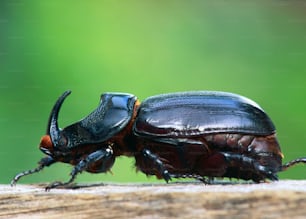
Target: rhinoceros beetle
x,y
178,135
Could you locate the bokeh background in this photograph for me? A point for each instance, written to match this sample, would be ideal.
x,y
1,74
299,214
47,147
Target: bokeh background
x,y
253,48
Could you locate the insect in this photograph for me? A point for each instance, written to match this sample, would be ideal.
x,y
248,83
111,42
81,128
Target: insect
x,y
188,134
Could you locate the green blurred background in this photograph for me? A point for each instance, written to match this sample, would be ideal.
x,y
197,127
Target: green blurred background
x,y
253,48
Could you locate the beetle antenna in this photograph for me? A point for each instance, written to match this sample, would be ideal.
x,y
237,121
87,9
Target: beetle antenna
x,y
53,129
293,162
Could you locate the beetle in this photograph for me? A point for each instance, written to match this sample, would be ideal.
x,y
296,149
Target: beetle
x,y
198,134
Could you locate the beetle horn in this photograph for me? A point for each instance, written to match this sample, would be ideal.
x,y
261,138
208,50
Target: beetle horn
x,y
53,129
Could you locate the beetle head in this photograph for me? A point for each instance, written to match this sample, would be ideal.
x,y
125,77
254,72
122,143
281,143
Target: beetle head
x,y
53,138
110,117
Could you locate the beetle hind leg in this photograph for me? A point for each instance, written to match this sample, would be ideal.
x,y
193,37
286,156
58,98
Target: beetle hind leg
x,y
245,163
293,162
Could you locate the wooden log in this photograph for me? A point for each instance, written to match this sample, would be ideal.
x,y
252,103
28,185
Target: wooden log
x,y
283,199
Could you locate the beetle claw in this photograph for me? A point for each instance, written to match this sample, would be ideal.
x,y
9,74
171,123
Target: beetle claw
x,y
265,172
57,184
62,184
272,176
53,185
166,176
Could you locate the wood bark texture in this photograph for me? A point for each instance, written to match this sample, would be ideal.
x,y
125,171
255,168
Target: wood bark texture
x,y
283,199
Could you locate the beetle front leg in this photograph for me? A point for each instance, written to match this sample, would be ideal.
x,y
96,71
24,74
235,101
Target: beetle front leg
x,y
157,163
240,160
101,157
44,162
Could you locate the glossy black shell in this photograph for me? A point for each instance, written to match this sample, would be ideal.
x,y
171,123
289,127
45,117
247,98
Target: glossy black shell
x,y
187,114
111,116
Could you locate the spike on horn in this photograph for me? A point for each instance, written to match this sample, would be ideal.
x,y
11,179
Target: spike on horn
x,y
53,129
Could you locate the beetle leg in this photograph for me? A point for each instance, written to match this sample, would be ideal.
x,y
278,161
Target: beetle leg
x,y
292,163
245,161
194,176
44,162
157,163
100,155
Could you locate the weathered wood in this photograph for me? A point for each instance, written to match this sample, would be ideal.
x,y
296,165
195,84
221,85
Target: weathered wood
x,y
283,199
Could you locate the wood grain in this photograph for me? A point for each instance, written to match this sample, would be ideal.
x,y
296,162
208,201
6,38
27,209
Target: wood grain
x,y
283,199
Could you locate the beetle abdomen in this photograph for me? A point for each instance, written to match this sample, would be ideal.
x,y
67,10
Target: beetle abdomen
x,y
196,113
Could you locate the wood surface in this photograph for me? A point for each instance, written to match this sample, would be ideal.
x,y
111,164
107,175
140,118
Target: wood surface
x,y
282,199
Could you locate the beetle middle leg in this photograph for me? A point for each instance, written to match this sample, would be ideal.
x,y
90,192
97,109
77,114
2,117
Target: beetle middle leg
x,y
156,163
102,157
243,162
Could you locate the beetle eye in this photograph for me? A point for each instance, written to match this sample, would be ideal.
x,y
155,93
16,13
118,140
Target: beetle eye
x,y
62,141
